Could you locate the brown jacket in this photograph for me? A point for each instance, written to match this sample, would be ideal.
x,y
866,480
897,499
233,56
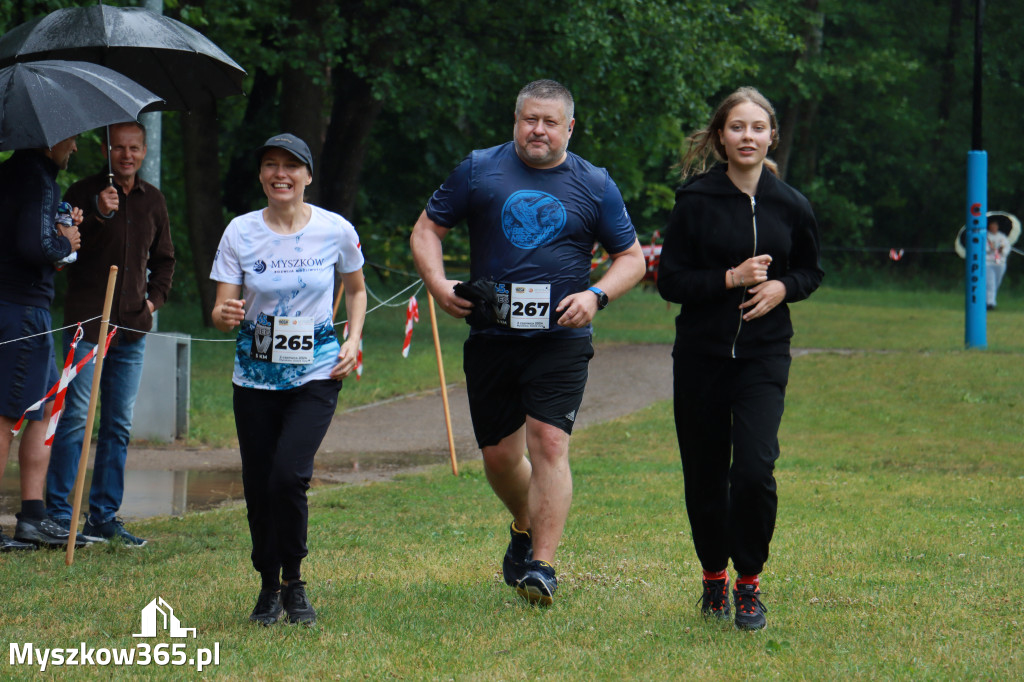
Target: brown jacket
x,y
137,238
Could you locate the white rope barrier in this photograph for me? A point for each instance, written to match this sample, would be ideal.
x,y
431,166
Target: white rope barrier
x,y
417,285
51,331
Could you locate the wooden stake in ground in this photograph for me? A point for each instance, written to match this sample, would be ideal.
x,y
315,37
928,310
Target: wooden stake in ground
x,y
83,460
444,387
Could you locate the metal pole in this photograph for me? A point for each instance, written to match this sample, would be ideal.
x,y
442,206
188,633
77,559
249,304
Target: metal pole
x,y
979,16
154,135
975,334
154,124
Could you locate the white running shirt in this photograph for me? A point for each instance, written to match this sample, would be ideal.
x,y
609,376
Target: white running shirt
x,y
286,275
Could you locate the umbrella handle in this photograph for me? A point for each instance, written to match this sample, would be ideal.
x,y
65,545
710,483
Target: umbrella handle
x,y
96,203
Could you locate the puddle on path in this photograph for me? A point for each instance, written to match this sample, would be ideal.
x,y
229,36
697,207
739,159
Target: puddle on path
x,y
149,493
174,493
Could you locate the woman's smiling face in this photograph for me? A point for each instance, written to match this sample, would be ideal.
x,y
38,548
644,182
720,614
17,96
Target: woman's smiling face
x,y
283,176
747,135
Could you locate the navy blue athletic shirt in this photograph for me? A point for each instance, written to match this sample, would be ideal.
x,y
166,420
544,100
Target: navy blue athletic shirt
x,y
533,226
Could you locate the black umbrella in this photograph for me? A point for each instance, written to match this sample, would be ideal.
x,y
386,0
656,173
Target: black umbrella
x,y
45,102
173,60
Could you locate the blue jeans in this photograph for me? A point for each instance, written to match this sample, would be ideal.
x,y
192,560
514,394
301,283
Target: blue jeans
x,y
119,385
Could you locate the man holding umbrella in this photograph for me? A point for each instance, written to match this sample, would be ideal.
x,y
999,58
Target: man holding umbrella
x,y
34,243
126,225
43,107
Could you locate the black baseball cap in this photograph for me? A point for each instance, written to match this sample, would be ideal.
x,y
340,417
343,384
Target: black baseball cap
x,y
292,145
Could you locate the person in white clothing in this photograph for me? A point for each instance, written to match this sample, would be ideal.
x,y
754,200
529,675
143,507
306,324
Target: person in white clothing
x,y
275,271
997,250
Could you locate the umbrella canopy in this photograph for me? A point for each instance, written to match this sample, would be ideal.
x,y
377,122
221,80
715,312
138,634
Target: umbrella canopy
x,y
173,60
1008,224
42,103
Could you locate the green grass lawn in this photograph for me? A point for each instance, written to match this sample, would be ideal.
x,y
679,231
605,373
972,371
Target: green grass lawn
x,y
895,557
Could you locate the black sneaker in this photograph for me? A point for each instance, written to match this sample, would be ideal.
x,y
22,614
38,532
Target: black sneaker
x,y
66,525
518,554
113,530
749,609
539,583
9,544
45,533
714,603
296,603
268,608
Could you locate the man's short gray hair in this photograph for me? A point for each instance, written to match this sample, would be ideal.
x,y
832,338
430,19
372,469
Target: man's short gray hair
x,y
546,89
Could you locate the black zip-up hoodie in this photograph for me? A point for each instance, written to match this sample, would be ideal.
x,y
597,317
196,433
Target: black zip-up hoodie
x,y
715,226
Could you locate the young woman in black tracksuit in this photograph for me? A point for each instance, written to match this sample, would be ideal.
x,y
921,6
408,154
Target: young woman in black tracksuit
x,y
740,245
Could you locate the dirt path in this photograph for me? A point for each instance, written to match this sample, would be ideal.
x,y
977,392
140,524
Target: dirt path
x,y
375,442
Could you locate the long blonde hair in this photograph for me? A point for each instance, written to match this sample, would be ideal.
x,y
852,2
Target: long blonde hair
x,y
705,142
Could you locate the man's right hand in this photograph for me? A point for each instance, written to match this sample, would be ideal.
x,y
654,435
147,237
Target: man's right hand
x,y
452,303
107,201
72,235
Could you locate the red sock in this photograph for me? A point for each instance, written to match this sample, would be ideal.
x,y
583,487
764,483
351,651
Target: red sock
x,y
716,575
748,580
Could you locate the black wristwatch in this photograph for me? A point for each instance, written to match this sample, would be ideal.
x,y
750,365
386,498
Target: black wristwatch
x,y
602,298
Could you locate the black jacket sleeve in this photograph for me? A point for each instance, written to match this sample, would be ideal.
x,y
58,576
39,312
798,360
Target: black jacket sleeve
x,y
36,238
804,273
682,276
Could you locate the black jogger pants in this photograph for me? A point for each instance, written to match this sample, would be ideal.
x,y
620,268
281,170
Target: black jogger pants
x,y
727,414
279,433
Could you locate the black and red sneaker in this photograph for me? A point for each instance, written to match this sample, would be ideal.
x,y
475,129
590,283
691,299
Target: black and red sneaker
x,y
749,609
714,603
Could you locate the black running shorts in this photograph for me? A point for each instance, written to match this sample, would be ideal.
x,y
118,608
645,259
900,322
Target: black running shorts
x,y
508,378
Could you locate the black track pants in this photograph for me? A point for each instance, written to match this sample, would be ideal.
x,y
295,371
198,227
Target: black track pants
x,y
727,414
279,432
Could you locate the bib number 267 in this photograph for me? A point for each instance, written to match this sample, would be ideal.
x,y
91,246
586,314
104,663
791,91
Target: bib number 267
x,y
530,304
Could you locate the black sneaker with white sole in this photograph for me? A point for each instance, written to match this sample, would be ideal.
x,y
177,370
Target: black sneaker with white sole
x,y
113,530
45,533
89,539
9,544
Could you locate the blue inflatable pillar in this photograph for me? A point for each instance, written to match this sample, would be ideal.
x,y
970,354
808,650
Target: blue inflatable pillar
x,y
977,209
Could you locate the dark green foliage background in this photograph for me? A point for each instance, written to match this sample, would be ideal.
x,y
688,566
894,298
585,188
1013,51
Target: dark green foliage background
x,y
875,98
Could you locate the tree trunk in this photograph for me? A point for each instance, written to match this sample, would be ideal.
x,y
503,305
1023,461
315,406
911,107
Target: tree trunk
x,y
242,192
302,103
800,113
203,197
787,131
352,118
302,98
